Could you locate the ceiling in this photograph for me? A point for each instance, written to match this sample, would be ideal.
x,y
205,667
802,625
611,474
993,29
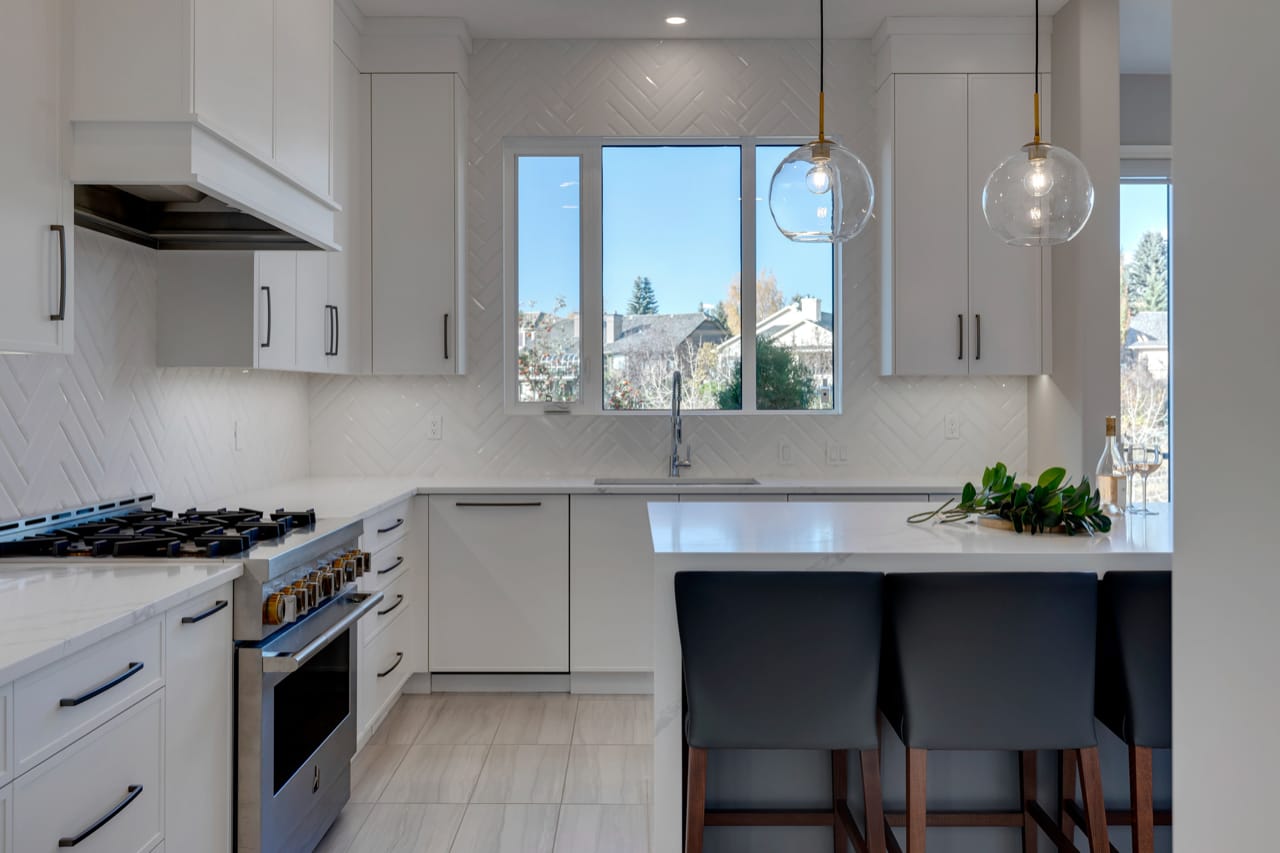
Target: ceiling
x,y
1144,23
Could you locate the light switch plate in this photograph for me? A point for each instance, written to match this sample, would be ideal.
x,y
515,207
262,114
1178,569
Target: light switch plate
x,y
951,426
837,454
435,427
786,452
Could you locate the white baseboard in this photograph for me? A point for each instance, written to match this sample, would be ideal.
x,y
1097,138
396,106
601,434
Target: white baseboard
x,y
611,682
517,682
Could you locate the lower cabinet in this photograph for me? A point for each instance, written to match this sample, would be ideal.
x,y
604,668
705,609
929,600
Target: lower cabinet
x,y
199,738
6,819
611,583
499,583
103,794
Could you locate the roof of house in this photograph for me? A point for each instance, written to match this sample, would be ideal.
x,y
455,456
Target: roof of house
x,y
639,333
1148,327
780,322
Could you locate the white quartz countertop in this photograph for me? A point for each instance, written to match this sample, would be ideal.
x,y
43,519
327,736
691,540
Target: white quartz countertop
x,y
355,497
52,610
878,529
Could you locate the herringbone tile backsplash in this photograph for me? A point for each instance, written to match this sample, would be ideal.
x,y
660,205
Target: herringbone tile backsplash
x,y
893,427
106,422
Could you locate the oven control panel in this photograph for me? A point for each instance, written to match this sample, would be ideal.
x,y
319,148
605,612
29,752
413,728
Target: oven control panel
x,y
296,594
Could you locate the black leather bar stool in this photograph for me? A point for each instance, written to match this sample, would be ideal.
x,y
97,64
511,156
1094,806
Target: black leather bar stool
x,y
783,660
1134,692
993,662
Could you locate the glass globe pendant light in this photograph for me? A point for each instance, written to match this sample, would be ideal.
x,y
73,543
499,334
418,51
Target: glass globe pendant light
x,y
822,192
1041,195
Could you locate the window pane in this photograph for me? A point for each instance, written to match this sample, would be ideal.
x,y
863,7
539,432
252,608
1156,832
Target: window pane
x,y
549,274
795,303
1144,295
672,256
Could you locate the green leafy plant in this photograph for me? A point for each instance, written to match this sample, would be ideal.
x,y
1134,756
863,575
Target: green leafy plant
x,y
1048,505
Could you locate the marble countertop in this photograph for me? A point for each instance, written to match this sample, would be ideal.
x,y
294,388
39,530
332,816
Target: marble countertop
x,y
878,529
51,610
354,497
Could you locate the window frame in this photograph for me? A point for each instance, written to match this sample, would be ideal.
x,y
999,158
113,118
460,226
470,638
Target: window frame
x,y
590,150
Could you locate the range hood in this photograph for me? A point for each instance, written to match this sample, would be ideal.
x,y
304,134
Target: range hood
x,y
181,185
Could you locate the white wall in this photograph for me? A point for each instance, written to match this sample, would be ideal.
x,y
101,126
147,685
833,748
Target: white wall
x,y
106,422
1145,109
893,427
1226,407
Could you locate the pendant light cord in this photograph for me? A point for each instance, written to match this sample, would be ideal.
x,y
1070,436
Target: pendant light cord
x,y
822,71
1036,36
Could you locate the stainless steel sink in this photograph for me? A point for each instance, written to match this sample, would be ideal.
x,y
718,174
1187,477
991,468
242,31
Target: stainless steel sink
x,y
677,481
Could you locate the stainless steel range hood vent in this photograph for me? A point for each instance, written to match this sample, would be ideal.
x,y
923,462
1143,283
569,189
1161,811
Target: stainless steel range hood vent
x,y
176,217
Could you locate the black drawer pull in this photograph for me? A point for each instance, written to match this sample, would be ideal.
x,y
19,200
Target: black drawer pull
x,y
399,601
204,614
399,523
399,658
134,791
497,503
391,568
134,669
62,273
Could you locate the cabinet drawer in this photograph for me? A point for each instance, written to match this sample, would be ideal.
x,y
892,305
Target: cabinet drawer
x,y
62,702
390,525
113,773
389,565
6,819
6,734
396,602
389,662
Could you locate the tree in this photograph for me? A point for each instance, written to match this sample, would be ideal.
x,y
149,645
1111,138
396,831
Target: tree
x,y
643,299
1147,274
782,382
769,299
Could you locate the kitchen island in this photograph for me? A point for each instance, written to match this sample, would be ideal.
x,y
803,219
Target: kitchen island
x,y
858,537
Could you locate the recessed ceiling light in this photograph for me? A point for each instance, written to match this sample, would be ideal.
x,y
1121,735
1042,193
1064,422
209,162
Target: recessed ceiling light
x,y
677,20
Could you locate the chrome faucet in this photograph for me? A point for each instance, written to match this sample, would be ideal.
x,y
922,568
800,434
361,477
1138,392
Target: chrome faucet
x,y
677,430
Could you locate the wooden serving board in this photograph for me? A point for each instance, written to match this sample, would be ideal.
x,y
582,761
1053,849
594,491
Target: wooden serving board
x,y
996,523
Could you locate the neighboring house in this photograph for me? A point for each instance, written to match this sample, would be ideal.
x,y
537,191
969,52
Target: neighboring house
x,y
552,341
1147,342
803,328
674,338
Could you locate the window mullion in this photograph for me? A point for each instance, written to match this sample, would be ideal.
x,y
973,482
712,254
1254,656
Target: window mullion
x,y
747,276
592,280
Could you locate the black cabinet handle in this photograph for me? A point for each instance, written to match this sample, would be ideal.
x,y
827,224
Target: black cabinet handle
x,y
267,291
337,331
62,273
134,669
328,317
960,336
399,601
391,568
477,504
977,347
204,614
446,336
399,522
399,658
134,792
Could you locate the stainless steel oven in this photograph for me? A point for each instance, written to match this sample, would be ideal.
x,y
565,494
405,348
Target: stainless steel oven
x,y
296,727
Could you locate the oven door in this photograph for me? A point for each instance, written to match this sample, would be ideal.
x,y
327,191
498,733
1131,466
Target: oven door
x,y
296,730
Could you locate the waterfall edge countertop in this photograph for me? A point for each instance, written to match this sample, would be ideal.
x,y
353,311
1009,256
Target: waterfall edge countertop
x,y
49,611
842,537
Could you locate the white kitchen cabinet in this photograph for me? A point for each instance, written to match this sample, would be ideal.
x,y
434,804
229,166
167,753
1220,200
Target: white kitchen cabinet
x,y
739,497
6,819
303,102
418,165
896,497
312,313
956,300
199,741
117,763
233,58
349,299
499,569
611,583
6,734
36,234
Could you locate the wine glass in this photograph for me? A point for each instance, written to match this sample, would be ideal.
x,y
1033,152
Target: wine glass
x,y
1143,461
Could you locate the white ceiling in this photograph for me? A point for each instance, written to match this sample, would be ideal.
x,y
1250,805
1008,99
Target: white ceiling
x,y
1144,23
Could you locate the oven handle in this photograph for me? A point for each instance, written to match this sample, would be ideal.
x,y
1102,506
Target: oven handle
x,y
287,662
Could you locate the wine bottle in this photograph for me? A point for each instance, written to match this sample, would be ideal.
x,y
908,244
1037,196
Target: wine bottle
x,y
1111,474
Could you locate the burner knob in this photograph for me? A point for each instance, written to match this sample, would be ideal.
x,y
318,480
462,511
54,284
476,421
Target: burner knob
x,y
302,596
274,610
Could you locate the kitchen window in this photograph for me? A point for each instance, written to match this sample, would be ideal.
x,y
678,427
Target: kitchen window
x,y
626,260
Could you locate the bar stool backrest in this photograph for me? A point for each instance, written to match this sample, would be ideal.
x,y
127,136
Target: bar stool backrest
x,y
1135,657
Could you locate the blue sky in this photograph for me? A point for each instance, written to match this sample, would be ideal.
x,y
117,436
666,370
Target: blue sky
x,y
671,214
1143,208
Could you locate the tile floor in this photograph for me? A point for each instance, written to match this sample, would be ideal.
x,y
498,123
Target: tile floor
x,y
502,773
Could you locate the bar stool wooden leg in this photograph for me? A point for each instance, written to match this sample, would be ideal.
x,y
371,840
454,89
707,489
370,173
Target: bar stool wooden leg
x,y
1095,809
1027,775
839,794
873,800
1140,799
917,814
1067,759
695,818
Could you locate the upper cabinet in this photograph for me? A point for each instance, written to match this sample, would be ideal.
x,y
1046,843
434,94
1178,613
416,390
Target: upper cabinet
x,y
35,203
232,72
304,73
418,223
956,300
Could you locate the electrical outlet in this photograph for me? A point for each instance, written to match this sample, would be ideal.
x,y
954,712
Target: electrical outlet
x,y
237,437
951,426
786,452
837,454
435,427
